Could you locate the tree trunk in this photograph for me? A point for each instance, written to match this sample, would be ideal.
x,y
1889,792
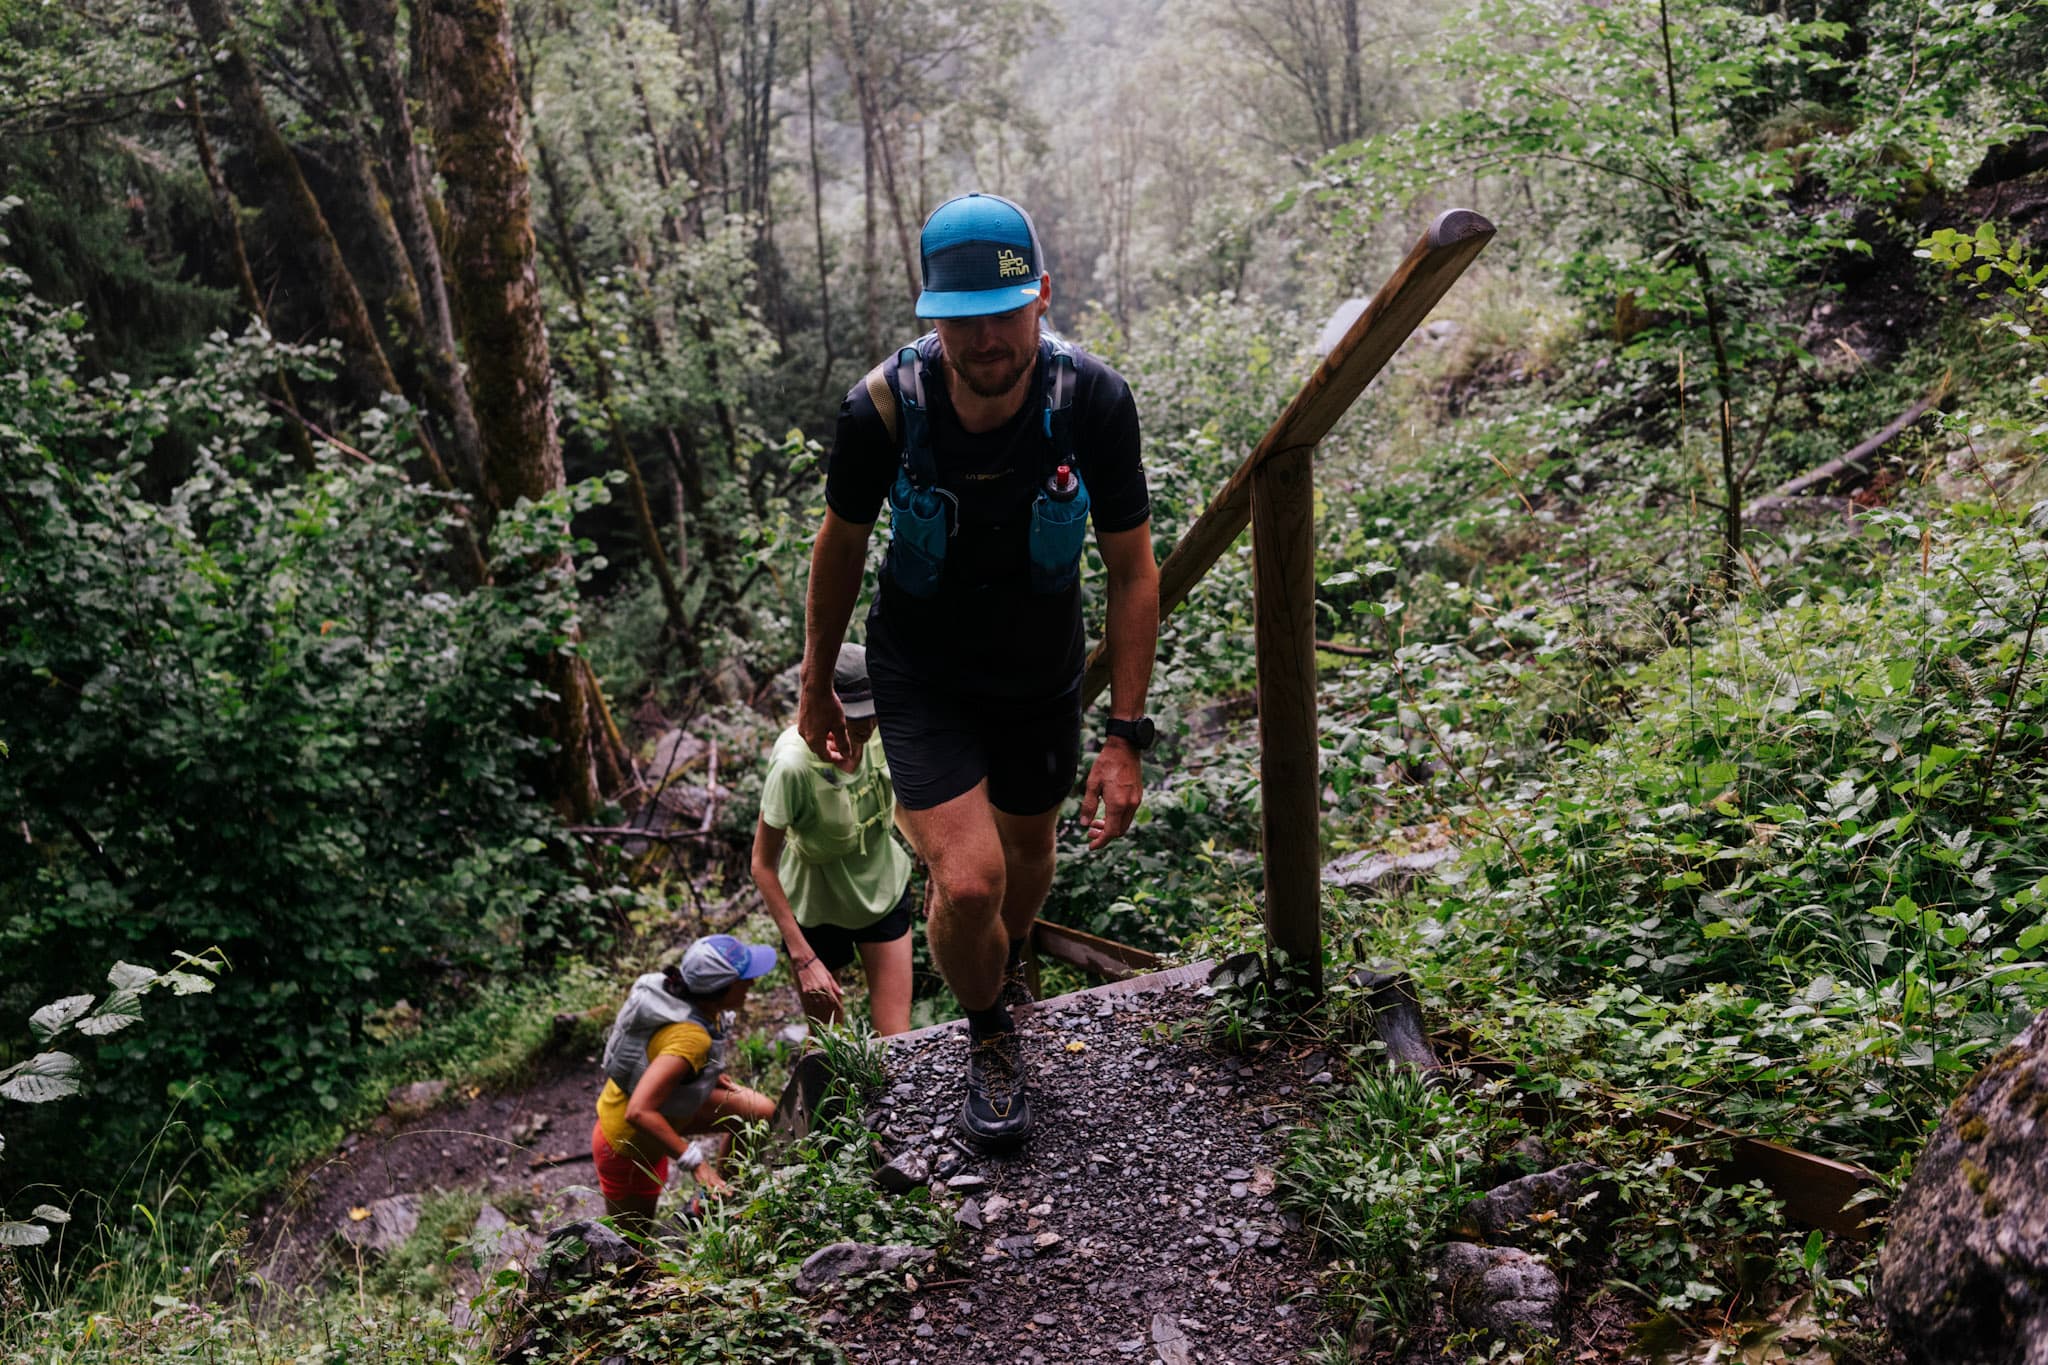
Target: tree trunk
x,y
854,39
373,26
348,317
474,98
383,270
230,215
571,274
870,286
1354,91
818,224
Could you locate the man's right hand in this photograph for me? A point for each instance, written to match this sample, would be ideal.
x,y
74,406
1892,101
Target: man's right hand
x,y
821,720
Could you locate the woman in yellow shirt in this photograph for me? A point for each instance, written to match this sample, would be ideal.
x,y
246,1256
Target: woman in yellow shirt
x,y
663,1076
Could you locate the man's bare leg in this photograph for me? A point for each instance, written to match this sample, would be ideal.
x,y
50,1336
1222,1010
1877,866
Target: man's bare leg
x,y
960,842
1028,867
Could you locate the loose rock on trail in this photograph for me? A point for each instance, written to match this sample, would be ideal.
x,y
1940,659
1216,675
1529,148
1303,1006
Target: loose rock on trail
x,y
1141,1220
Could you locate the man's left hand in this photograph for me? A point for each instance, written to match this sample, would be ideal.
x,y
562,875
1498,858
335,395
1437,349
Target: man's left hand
x,y
1116,786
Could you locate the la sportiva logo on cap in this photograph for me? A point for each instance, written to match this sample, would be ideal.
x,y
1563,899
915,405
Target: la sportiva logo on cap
x,y
1009,263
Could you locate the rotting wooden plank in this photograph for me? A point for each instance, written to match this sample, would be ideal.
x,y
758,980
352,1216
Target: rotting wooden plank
x,y
1816,1190
1417,284
1109,960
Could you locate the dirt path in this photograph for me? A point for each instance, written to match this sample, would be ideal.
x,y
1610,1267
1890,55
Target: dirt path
x,y
526,1151
1138,1224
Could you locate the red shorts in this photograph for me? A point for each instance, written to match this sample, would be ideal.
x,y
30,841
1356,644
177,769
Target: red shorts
x,y
620,1177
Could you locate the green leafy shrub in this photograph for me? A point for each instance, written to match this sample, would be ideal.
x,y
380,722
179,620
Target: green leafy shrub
x,y
248,715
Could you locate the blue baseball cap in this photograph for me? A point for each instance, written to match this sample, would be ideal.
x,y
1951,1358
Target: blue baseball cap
x,y
717,960
981,256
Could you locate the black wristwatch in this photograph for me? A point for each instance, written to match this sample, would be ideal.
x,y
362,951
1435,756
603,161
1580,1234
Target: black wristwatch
x,y
1138,733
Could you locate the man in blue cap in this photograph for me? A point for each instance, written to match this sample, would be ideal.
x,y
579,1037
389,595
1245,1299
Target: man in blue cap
x,y
993,443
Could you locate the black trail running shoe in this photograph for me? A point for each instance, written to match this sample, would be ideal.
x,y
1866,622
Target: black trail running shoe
x,y
1016,986
997,1113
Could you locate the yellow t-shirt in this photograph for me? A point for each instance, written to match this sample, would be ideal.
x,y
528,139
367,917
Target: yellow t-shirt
x,y
686,1040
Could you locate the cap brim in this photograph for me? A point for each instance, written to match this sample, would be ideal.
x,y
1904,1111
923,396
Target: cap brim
x,y
975,303
859,709
760,961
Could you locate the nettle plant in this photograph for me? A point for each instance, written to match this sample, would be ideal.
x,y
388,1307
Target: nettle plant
x,y
51,1073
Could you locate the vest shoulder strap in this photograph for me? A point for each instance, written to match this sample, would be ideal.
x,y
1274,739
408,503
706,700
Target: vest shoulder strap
x,y
884,397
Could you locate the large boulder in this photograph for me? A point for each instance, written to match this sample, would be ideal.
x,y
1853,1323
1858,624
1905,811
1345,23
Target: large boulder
x,y
1521,1212
1964,1274
1499,1290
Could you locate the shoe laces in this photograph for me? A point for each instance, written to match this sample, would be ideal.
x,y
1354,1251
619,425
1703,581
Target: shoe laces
x,y
1002,1063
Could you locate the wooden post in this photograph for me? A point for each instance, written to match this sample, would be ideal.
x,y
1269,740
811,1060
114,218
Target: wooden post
x,y
1290,786
1274,491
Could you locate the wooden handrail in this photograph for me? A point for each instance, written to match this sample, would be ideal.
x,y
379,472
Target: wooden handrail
x,y
1431,267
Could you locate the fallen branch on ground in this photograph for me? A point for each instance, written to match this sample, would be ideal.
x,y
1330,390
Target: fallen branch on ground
x,y
653,836
1787,493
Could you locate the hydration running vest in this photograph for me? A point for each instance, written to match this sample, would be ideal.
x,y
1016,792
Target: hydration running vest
x,y
649,1008
923,517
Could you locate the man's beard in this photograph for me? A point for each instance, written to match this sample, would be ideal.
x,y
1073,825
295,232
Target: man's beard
x,y
1005,380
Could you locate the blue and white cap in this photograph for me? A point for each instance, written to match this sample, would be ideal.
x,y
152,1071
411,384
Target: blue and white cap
x,y
716,961
981,256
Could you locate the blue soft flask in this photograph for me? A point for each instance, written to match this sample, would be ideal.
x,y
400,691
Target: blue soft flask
x,y
1059,530
917,536
919,520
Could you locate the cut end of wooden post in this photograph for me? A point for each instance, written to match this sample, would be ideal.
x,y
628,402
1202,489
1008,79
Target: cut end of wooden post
x,y
1453,226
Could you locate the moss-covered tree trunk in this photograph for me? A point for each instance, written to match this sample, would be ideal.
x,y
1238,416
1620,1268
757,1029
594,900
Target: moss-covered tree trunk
x,y
347,315
473,94
229,215
371,35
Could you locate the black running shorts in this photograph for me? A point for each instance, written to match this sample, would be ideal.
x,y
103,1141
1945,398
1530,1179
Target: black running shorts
x,y
940,744
836,947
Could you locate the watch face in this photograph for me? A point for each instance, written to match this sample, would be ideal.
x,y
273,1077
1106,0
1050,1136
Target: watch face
x,y
1138,733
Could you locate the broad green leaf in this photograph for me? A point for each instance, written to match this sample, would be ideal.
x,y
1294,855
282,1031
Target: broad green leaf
x,y
126,976
52,1019
44,1077
115,1013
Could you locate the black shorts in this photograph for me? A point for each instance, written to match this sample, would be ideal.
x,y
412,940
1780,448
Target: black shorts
x,y
940,744
836,947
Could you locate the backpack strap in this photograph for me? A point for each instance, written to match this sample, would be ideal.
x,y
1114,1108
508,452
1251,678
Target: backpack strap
x,y
1061,378
914,440
884,398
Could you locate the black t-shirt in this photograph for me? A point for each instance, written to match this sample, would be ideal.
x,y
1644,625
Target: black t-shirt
x,y
986,632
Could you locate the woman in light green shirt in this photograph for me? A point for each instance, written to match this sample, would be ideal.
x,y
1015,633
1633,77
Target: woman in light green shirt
x,y
836,881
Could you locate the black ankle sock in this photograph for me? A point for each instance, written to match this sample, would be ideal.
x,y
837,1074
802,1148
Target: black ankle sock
x,y
994,1019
